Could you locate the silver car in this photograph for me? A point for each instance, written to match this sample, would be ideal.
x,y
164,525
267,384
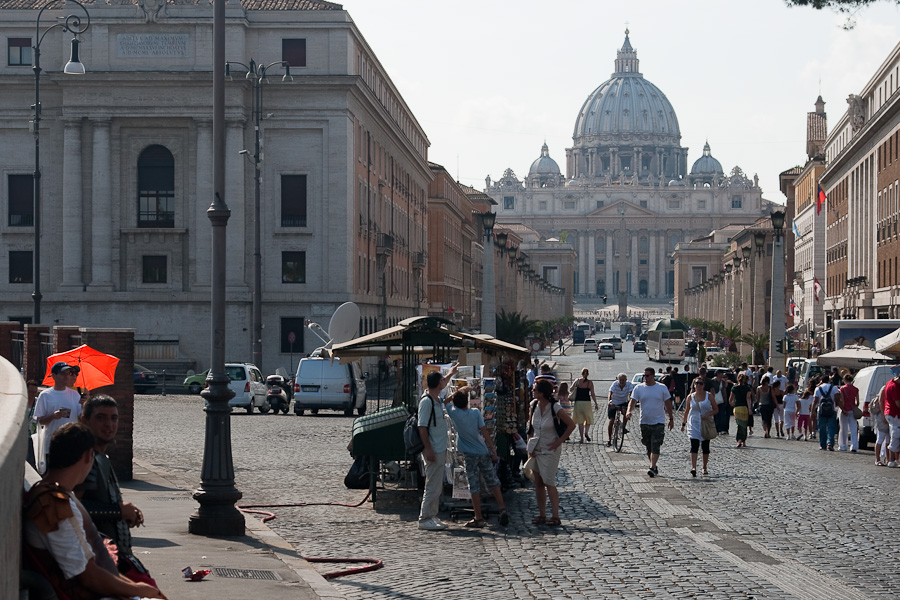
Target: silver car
x,y
606,350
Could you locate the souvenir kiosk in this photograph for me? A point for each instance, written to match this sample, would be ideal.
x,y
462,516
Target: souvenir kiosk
x,y
427,343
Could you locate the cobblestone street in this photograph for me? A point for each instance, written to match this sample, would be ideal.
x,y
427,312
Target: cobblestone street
x,y
778,519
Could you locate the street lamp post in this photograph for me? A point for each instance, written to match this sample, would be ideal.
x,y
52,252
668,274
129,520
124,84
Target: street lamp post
x,y
71,23
217,514
488,295
776,320
256,74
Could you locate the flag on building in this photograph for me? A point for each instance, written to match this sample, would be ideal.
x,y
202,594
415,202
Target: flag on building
x,y
817,288
795,229
795,310
820,200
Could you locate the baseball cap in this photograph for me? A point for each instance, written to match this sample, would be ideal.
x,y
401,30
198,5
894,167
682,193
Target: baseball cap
x,y
59,367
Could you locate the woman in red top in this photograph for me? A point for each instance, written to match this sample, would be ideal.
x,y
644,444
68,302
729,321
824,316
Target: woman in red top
x,y
849,426
892,415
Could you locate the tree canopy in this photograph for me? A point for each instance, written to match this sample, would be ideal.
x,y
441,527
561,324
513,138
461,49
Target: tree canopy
x,y
839,5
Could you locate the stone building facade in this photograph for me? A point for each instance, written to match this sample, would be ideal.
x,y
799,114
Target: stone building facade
x,y
627,197
126,165
862,183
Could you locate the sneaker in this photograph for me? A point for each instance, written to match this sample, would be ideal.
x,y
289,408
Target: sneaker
x,y
853,450
432,525
652,471
893,464
830,448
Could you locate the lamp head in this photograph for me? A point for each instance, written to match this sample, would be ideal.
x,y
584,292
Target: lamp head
x,y
487,220
287,74
778,220
74,66
228,72
251,70
501,240
759,240
745,253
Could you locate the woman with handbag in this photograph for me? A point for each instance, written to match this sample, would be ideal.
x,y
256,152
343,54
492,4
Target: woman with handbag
x,y
549,427
700,417
848,423
584,395
741,401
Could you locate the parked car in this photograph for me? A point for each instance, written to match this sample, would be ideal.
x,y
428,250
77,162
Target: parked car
x,y
195,383
144,380
322,383
640,346
248,386
606,350
869,382
590,345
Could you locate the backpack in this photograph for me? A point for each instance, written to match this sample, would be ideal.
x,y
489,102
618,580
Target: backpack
x,y
826,404
411,438
557,422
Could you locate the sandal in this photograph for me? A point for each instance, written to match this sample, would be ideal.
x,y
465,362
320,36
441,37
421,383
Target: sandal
x,y
478,523
539,520
554,522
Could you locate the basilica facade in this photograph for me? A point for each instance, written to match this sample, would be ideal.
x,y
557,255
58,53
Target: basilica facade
x,y
627,197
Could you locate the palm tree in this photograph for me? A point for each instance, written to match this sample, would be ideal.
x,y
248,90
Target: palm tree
x,y
733,333
760,343
514,327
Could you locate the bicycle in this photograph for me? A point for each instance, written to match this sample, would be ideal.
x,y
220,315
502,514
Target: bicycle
x,y
618,432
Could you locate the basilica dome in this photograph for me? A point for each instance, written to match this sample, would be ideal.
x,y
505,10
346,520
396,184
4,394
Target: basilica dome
x,y
544,165
706,164
628,104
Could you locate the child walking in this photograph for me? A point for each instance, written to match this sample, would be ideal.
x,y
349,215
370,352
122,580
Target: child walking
x,y
791,403
804,404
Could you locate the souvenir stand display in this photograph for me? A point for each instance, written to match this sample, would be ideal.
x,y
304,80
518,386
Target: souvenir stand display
x,y
421,344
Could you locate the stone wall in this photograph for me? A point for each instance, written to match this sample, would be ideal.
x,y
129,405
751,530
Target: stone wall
x,y
12,464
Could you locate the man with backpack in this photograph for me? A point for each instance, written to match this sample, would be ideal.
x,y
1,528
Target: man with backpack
x,y
433,431
827,396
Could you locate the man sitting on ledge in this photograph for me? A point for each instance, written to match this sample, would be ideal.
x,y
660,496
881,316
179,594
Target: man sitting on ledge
x,y
58,532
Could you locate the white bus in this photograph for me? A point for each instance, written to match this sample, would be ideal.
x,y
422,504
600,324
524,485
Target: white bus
x,y
665,344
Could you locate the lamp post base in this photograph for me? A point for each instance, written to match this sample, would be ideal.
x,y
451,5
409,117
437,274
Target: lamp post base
x,y
217,515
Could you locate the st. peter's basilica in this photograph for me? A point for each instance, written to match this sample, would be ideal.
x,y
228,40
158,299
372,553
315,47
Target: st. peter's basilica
x,y
627,197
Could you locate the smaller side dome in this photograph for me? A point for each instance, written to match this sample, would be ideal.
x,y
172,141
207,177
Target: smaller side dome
x,y
544,165
706,164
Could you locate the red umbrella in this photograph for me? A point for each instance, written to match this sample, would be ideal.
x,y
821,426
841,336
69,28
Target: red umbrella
x,y
97,369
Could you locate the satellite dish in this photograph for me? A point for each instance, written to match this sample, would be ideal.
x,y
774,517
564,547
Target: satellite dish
x,y
344,323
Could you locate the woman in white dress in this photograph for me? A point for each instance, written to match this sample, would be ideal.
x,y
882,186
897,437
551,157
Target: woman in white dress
x,y
699,405
545,447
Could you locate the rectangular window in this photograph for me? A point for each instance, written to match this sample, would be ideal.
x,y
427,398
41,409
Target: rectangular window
x,y
293,52
542,205
293,200
737,201
701,204
569,205
21,266
19,52
643,261
21,200
643,204
674,203
295,326
509,202
155,269
600,203
293,267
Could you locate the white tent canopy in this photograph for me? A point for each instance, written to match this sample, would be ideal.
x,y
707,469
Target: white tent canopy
x,y
889,344
853,357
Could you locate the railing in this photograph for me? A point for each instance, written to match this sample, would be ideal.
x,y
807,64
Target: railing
x,y
17,349
151,350
384,243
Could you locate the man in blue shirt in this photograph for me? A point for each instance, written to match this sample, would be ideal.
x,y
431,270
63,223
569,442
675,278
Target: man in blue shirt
x,y
473,439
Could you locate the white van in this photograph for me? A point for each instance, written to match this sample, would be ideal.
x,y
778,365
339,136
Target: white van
x,y
869,382
322,383
248,386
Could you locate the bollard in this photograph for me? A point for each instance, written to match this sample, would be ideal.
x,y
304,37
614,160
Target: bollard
x,y
164,382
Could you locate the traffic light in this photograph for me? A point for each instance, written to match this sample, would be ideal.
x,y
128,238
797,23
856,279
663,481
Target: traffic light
x,y
779,346
604,298
790,346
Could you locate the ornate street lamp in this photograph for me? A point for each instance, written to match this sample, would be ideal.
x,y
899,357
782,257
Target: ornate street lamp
x,y
488,298
776,320
71,23
256,75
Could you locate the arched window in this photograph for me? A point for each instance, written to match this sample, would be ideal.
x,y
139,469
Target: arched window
x,y
156,188
642,288
673,241
644,244
601,244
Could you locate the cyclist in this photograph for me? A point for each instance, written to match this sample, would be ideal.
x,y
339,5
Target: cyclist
x,y
619,395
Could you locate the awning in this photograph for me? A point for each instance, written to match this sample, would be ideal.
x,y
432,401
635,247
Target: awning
x,y
853,357
889,344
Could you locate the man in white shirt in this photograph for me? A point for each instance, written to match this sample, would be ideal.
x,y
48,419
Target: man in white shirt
x,y
619,395
656,403
56,406
433,432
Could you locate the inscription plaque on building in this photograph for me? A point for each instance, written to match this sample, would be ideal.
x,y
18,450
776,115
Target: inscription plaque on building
x,y
152,45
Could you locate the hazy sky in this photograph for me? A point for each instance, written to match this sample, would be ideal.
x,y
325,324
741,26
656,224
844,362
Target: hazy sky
x,y
490,80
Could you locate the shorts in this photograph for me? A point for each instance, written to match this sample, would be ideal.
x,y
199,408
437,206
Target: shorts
x,y
778,414
894,423
611,410
652,436
802,421
697,444
790,418
480,464
583,413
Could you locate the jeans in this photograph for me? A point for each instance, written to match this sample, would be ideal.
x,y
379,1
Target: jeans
x,y
849,428
434,484
827,426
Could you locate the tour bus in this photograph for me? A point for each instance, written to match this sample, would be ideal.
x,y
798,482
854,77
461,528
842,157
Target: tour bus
x,y
581,333
665,344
